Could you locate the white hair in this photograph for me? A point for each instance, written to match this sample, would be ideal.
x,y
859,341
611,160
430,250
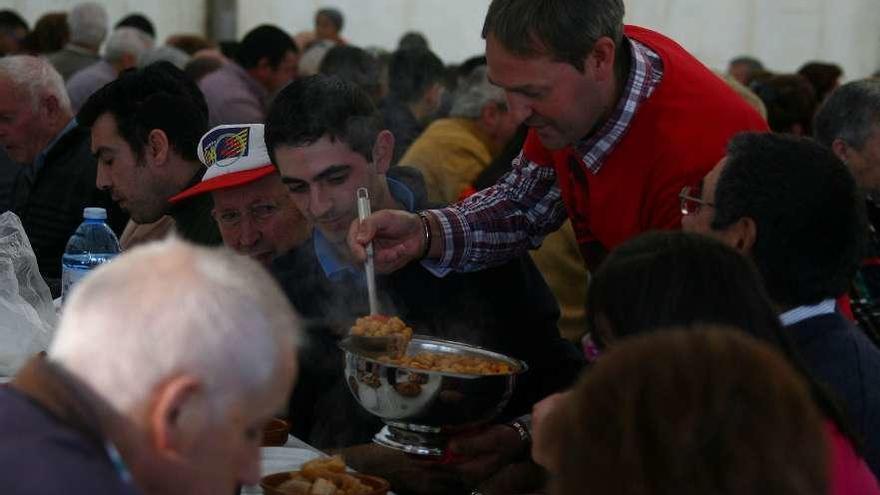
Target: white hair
x,y
125,41
474,92
171,308
166,53
88,24
35,78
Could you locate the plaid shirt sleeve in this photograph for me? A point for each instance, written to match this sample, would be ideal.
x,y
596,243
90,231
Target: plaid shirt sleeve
x,y
504,221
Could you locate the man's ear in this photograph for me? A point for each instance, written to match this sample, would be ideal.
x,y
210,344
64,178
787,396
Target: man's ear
x,y
742,235
600,60
383,151
50,107
158,147
489,115
841,149
176,414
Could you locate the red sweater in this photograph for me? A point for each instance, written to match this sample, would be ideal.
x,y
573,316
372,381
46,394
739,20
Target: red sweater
x,y
676,137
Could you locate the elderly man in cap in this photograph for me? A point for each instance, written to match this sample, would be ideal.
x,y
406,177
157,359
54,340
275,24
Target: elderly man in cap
x,y
252,207
166,365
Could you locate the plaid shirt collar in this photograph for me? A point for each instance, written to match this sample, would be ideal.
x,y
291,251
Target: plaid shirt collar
x,y
644,77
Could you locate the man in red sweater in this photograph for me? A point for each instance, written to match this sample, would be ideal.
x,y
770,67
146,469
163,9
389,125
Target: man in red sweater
x,y
621,119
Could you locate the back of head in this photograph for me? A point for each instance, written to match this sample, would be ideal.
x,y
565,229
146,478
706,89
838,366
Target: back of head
x,y
139,22
849,113
823,76
333,15
664,279
690,412
566,30
50,34
807,212
35,78
199,67
473,93
125,41
354,65
316,106
88,24
189,43
791,103
159,96
413,40
412,72
11,20
172,308
166,53
267,42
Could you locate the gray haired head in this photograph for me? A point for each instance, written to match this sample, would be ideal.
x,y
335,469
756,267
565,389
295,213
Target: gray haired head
x,y
850,113
473,93
88,24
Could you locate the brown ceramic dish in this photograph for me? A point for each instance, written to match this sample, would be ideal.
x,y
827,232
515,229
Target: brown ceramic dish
x,y
275,433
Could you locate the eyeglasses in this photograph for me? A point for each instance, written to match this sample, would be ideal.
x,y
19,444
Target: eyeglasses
x,y
259,212
690,201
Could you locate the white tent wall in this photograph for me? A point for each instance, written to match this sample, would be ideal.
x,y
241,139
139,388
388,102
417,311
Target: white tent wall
x,y
169,16
782,33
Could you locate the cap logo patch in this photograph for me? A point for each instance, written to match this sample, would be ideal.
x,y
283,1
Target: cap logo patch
x,y
226,146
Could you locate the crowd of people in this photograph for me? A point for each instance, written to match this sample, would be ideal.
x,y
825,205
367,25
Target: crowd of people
x,y
688,262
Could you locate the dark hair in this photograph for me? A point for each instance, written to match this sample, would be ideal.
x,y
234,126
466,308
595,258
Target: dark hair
x,y
139,22
334,15
317,106
354,65
790,99
49,35
751,62
822,76
676,279
564,29
159,96
696,411
849,113
810,221
470,64
412,72
267,42
10,20
199,67
411,40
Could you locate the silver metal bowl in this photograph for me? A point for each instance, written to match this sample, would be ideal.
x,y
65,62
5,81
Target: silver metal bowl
x,y
423,407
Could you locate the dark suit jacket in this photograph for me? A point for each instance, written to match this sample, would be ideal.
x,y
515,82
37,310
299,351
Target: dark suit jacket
x,y
843,359
51,204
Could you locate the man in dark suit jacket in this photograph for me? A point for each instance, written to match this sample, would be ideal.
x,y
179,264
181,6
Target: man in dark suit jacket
x,y
37,130
793,206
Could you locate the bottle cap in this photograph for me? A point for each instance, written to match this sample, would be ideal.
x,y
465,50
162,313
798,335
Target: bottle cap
x,y
94,213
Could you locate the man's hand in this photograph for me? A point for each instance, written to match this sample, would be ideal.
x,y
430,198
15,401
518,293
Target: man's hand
x,y
542,441
407,474
398,238
485,454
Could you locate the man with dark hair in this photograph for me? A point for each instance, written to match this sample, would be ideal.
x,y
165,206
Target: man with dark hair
x,y
620,119
790,101
265,62
146,126
849,124
139,22
328,25
415,93
327,139
793,207
13,30
744,69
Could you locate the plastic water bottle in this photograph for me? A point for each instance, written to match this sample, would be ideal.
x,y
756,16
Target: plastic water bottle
x,y
93,243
